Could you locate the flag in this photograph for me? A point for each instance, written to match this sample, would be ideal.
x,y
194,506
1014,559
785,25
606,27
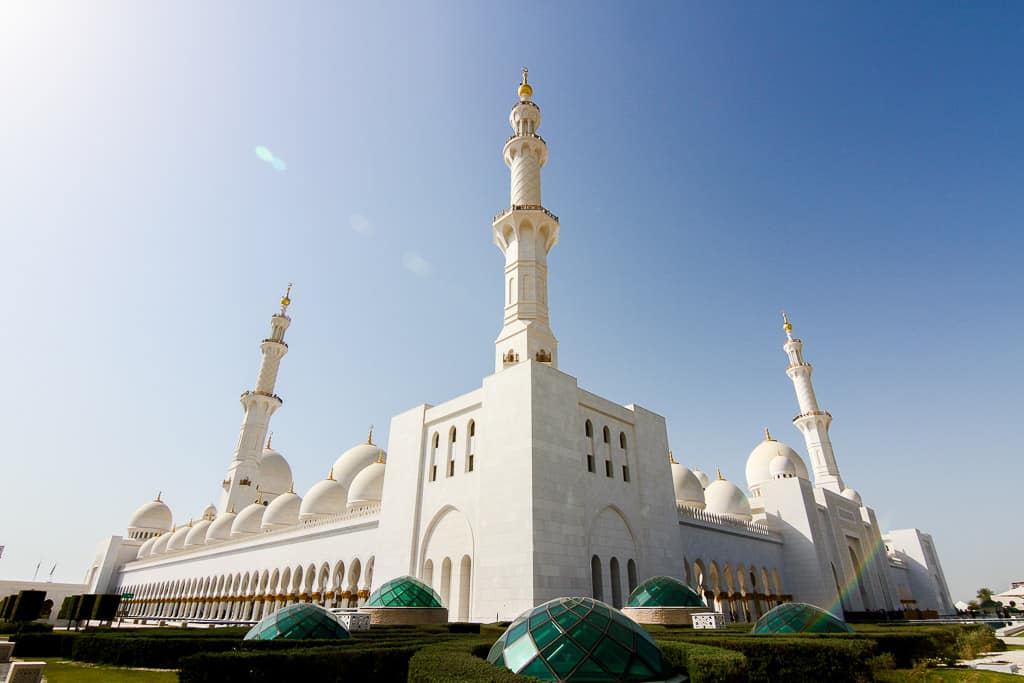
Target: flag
x,y
38,565
1,551
52,570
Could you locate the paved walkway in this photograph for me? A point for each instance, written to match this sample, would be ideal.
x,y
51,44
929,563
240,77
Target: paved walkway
x,y
1011,661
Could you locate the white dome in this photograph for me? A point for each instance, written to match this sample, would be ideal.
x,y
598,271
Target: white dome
x,y
688,487
248,520
146,548
327,497
367,486
210,513
220,528
725,498
275,473
759,462
852,495
197,535
153,517
160,545
781,467
353,461
704,479
282,512
177,541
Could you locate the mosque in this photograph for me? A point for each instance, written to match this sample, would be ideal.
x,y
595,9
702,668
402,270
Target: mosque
x,y
524,489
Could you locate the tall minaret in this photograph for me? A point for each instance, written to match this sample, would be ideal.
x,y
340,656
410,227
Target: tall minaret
x,y
525,233
813,422
259,404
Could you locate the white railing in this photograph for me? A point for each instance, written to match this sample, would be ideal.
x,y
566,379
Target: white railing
x,y
714,519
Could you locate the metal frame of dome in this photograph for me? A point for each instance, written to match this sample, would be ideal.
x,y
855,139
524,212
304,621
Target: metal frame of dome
x,y
578,639
799,617
664,591
301,621
405,591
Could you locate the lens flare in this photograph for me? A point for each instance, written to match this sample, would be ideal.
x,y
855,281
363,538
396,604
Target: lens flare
x,y
266,155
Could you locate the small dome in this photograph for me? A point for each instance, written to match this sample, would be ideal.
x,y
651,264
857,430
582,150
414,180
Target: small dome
x,y
852,494
664,591
210,513
689,490
275,473
153,517
725,498
160,545
248,520
146,548
703,478
177,541
220,528
367,486
578,639
799,617
282,512
197,535
759,461
782,467
404,591
301,621
354,460
327,497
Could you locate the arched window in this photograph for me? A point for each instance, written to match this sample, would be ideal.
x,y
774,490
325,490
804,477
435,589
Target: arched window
x,y
631,574
470,445
607,435
622,440
595,577
433,456
588,431
450,461
616,583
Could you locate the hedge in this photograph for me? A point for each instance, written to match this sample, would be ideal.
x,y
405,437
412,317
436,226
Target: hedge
x,y
52,644
106,606
24,627
705,664
84,607
326,664
27,606
68,607
464,660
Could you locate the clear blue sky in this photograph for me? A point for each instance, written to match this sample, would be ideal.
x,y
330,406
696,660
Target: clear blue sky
x,y
859,164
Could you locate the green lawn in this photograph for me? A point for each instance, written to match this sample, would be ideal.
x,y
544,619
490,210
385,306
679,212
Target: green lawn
x,y
943,676
66,671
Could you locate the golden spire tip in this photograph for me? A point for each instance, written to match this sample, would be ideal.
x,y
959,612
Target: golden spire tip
x,y
768,435
380,456
330,474
525,89
232,509
369,437
158,496
291,487
671,459
270,437
720,477
786,325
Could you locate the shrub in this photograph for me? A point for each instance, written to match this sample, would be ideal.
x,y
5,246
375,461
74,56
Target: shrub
x,y
84,607
44,644
463,627
973,640
68,607
464,660
24,627
106,606
27,605
705,664
328,664
167,653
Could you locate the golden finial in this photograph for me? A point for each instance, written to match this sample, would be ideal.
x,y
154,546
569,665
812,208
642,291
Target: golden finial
x,y
232,509
786,325
369,437
158,496
671,459
291,487
525,91
270,438
768,435
189,522
330,474
720,477
286,299
380,456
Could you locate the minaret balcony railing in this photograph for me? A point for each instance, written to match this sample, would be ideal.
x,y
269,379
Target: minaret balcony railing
x,y
276,341
525,207
801,364
262,393
535,136
813,413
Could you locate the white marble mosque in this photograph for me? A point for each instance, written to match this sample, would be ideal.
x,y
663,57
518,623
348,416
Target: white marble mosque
x,y
525,488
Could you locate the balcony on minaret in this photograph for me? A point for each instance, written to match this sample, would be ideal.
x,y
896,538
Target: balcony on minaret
x,y
543,356
510,357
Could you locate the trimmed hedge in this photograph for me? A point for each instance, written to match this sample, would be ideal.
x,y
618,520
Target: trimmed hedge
x,y
106,606
52,644
327,664
705,664
27,605
464,660
24,627
84,607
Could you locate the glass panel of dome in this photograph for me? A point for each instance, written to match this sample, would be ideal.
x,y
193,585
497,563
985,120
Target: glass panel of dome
x,y
538,669
516,631
612,655
585,634
538,619
496,649
621,634
589,670
544,634
564,657
520,652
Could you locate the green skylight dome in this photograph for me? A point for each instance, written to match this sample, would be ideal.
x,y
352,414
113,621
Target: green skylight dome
x,y
301,621
404,591
578,639
799,617
664,591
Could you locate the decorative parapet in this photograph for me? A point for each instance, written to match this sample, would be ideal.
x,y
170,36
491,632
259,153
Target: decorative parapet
x,y
525,207
813,413
710,520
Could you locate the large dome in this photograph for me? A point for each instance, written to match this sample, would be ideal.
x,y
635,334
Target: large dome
x,y
275,473
301,621
197,534
151,519
249,520
367,486
578,639
689,490
326,498
404,591
220,528
664,591
759,462
799,617
725,498
282,512
351,462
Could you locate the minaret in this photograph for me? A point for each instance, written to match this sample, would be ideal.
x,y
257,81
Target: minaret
x,y
525,233
259,404
812,422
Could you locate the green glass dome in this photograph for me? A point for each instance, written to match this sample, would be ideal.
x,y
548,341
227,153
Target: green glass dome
x,y
799,617
664,591
404,591
301,621
578,639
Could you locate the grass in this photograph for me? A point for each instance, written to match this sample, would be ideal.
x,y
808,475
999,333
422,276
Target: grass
x,y
943,676
66,671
